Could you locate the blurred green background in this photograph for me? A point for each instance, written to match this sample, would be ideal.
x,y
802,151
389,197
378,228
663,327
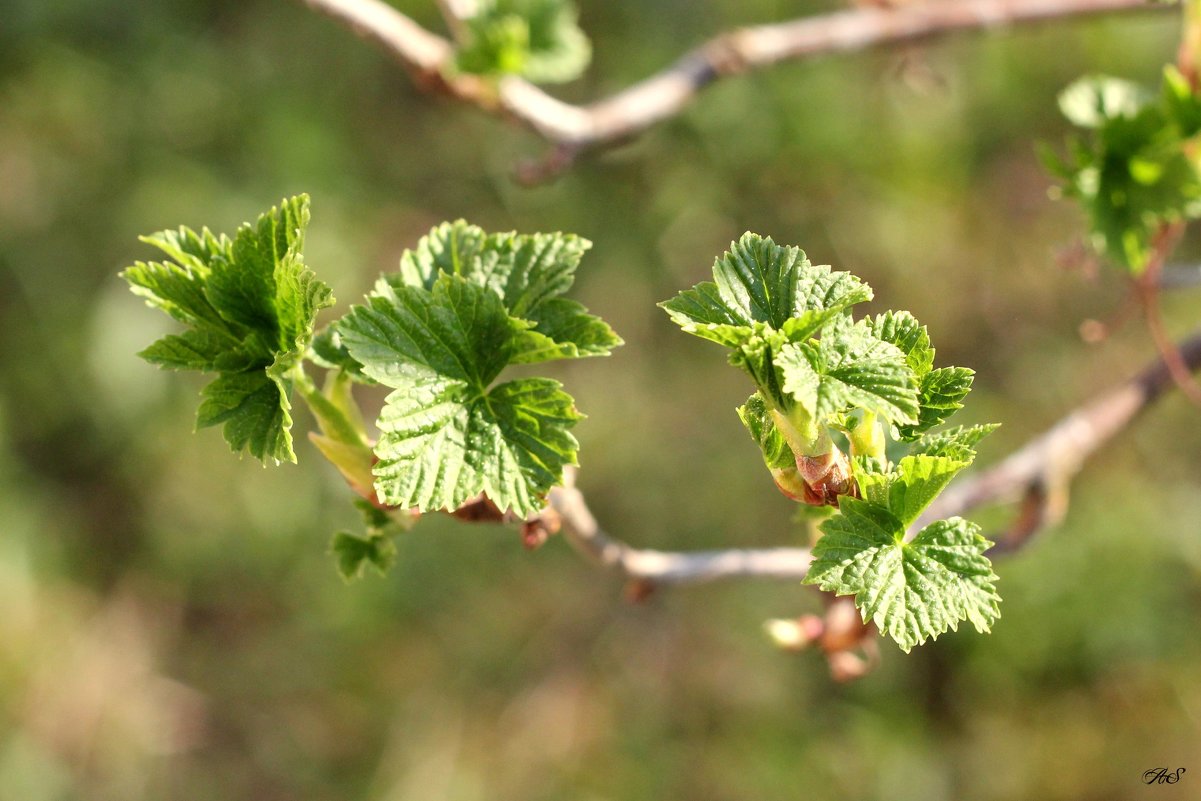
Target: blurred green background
x,y
172,626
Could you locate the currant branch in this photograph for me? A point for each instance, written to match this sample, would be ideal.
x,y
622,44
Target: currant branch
x,y
572,130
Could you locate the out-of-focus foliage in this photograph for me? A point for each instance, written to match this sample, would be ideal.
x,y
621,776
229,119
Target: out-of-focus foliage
x,y
1137,169
172,627
537,39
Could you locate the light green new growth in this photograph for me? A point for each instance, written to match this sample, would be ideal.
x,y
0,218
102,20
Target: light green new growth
x,y
463,306
819,372
249,304
536,39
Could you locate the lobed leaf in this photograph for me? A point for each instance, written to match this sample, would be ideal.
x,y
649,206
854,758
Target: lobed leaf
x,y
912,591
940,395
445,435
250,304
851,369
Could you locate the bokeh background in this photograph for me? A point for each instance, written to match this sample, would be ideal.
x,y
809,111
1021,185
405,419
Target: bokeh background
x,y
172,625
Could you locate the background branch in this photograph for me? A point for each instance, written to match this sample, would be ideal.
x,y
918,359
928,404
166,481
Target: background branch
x,y
573,129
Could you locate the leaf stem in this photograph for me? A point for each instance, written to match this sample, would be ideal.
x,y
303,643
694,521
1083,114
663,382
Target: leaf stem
x,y
333,419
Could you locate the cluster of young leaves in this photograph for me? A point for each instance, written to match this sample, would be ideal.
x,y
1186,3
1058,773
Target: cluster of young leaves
x,y
819,372
1137,167
463,306
537,39
249,304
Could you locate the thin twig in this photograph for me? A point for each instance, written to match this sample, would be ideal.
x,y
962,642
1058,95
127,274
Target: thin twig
x,y
667,567
573,129
1146,288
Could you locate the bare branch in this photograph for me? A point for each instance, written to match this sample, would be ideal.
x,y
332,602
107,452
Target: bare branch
x,y
666,567
573,129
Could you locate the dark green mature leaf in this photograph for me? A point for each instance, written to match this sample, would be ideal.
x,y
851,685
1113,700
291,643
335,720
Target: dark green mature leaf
x,y
912,591
537,39
446,434
250,304
850,369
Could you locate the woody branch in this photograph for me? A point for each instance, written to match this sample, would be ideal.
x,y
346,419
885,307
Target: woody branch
x,y
573,129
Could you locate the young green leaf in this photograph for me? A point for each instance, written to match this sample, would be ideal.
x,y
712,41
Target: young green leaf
x,y
941,393
250,304
758,281
1134,170
447,435
850,369
537,39
957,443
900,328
527,271
912,591
908,489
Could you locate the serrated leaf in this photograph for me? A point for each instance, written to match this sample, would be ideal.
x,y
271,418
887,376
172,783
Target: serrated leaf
x,y
758,281
941,394
701,311
254,412
577,333
910,487
537,39
442,444
900,328
957,443
178,290
851,369
445,435
250,304
459,331
527,271
912,591
452,247
197,349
